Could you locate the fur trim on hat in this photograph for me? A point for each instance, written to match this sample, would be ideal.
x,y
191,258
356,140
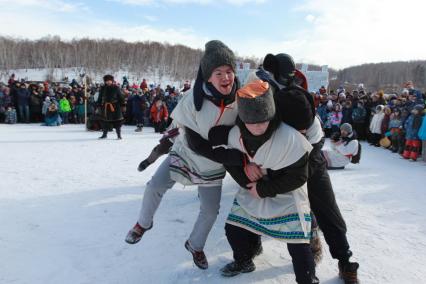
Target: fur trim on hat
x,y
255,102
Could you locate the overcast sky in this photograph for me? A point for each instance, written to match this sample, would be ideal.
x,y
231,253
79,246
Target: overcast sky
x,y
339,33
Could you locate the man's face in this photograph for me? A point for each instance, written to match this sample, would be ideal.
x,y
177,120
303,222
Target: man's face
x,y
108,83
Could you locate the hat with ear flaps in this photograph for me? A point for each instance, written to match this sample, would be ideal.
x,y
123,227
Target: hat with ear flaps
x,y
282,66
255,102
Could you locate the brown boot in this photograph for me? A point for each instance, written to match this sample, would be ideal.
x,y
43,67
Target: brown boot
x,y
136,233
199,257
348,272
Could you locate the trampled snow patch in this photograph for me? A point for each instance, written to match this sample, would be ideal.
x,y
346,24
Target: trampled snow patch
x,y
67,201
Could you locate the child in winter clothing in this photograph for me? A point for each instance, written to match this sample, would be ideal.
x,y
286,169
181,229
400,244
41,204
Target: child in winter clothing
x,y
336,118
412,126
327,121
10,115
64,109
159,116
395,129
376,125
52,117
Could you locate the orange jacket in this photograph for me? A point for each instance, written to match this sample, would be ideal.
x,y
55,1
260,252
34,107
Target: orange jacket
x,y
159,114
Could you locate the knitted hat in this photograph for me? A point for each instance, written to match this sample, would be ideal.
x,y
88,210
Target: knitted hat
x,y
215,55
108,78
255,102
282,66
346,127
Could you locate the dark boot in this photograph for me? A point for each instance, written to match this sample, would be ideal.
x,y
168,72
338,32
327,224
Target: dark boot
x,y
198,257
138,128
104,134
237,267
118,131
136,233
348,272
258,251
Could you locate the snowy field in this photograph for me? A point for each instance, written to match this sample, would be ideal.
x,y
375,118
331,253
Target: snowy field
x,y
67,201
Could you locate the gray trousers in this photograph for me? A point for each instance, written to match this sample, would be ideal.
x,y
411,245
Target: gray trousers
x,y
209,204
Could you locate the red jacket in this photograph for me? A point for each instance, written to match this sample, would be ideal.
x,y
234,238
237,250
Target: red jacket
x,y
159,114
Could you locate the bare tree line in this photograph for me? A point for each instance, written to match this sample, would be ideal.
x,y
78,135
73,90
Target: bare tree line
x,y
388,76
177,61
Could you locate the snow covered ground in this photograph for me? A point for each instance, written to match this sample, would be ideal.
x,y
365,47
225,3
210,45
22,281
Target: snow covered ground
x,y
67,201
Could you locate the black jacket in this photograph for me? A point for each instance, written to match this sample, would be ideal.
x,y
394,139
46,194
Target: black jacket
x,y
110,101
276,181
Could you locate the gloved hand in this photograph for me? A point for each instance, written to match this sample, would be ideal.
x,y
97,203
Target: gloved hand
x,y
218,135
143,165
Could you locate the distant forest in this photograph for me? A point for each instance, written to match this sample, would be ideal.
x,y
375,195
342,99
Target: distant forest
x,y
176,61
387,76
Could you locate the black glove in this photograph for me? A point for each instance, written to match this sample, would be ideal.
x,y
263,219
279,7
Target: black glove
x,y
143,165
218,135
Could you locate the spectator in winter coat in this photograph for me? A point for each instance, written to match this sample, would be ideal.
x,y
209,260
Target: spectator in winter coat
x,y
64,109
412,126
144,85
3,107
422,137
23,99
347,112
376,126
11,80
336,118
159,116
52,117
395,129
10,115
358,117
45,106
138,104
322,109
110,103
35,104
386,119
343,148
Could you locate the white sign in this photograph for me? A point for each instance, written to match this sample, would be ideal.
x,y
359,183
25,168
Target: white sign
x,y
316,79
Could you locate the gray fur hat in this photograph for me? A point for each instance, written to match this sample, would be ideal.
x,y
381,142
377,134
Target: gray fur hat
x,y
346,127
215,55
255,102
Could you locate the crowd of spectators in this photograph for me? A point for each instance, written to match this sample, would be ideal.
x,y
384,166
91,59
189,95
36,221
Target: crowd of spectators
x,y
57,103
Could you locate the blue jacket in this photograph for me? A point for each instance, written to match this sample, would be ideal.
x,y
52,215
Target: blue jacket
x,y
422,130
322,112
410,132
23,96
358,114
